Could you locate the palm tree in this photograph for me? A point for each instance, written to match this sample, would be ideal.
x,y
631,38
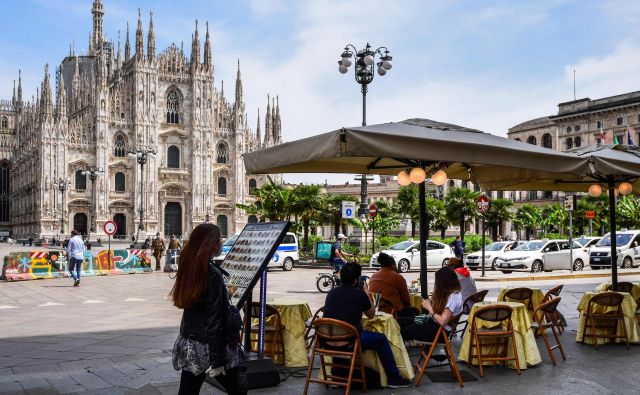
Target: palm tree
x,y
272,202
333,211
460,205
436,215
600,205
406,205
554,216
501,210
529,217
307,204
628,211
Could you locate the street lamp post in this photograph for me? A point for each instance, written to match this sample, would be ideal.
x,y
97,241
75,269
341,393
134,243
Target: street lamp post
x,y
142,154
93,173
365,62
62,186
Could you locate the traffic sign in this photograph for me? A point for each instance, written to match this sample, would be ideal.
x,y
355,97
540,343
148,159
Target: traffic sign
x,y
483,203
373,211
348,209
110,228
589,214
570,203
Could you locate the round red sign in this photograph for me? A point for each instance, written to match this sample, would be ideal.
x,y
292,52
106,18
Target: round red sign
x,y
373,210
483,203
110,228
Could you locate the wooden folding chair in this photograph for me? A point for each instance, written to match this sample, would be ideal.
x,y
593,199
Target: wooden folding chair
x,y
336,339
496,314
468,304
548,309
557,317
523,295
423,360
308,327
605,321
623,286
273,333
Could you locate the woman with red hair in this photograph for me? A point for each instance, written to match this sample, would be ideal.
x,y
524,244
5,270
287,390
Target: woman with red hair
x,y
205,344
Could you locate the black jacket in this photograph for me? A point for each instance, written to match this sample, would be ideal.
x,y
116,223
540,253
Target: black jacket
x,y
206,320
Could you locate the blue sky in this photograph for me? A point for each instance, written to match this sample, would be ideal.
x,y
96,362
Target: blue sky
x,y
484,64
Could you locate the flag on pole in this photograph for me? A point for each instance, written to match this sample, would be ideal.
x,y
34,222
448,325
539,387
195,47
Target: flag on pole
x,y
615,140
601,135
629,138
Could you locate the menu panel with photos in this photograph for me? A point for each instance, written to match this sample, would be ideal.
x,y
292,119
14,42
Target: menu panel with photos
x,y
249,256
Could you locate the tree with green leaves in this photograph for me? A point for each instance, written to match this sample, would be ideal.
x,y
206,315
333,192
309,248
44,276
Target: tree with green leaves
x,y
272,202
628,212
599,204
461,208
307,205
333,211
436,215
500,211
406,205
528,217
554,218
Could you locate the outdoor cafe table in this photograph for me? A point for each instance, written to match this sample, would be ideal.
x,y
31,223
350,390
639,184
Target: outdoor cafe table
x,y
528,353
628,310
635,291
293,314
416,300
536,297
387,325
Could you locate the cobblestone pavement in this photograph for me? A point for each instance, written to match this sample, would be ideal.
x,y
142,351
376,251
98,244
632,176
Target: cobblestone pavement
x,y
113,335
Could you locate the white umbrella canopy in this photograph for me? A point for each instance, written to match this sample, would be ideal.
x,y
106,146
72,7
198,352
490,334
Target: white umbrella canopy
x,y
388,148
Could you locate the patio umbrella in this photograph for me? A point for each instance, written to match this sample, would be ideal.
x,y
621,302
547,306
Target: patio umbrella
x,y
388,148
614,166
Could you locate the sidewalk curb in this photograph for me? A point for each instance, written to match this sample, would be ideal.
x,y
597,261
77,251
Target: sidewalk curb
x,y
552,277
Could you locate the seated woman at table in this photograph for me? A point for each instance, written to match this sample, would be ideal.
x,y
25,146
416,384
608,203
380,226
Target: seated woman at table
x,y
347,303
392,286
467,283
446,302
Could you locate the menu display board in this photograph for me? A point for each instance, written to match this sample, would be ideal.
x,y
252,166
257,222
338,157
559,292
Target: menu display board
x,y
249,256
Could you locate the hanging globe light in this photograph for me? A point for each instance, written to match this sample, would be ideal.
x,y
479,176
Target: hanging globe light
x,y
403,178
439,177
595,190
417,175
625,188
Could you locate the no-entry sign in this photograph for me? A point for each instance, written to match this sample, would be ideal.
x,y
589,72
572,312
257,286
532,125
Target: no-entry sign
x,y
483,203
110,228
373,211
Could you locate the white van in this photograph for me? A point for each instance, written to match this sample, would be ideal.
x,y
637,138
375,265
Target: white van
x,y
285,256
627,247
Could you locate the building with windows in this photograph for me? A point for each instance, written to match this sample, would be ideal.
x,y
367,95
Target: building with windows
x,y
104,105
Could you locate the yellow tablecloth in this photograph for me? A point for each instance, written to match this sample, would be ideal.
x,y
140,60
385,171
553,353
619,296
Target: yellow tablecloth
x,y
628,309
528,353
293,313
536,298
635,292
387,325
416,301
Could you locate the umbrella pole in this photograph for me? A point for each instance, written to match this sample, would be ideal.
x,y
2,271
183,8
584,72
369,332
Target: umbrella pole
x,y
612,225
422,206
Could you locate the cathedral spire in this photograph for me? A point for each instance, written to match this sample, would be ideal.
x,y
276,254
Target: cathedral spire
x,y
46,104
127,46
151,39
195,48
19,86
139,38
258,132
61,97
13,98
267,123
98,14
119,55
277,125
222,90
207,49
238,86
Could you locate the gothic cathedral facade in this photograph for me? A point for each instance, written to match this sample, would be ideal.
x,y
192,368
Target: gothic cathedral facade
x,y
73,161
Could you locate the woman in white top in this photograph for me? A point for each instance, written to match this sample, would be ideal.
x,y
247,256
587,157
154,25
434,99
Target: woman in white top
x,y
446,302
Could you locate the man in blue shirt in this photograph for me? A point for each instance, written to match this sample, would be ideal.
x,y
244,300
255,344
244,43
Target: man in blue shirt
x,y
347,303
75,252
338,257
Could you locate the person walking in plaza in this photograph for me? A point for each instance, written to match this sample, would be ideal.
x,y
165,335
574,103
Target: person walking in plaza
x,y
209,339
174,244
392,286
458,247
75,252
446,303
158,249
347,303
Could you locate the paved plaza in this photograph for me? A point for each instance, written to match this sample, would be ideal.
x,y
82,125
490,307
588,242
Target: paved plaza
x,y
114,335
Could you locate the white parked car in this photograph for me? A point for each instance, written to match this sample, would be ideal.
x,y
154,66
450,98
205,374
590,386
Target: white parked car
x,y
491,254
542,255
286,256
407,254
627,250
